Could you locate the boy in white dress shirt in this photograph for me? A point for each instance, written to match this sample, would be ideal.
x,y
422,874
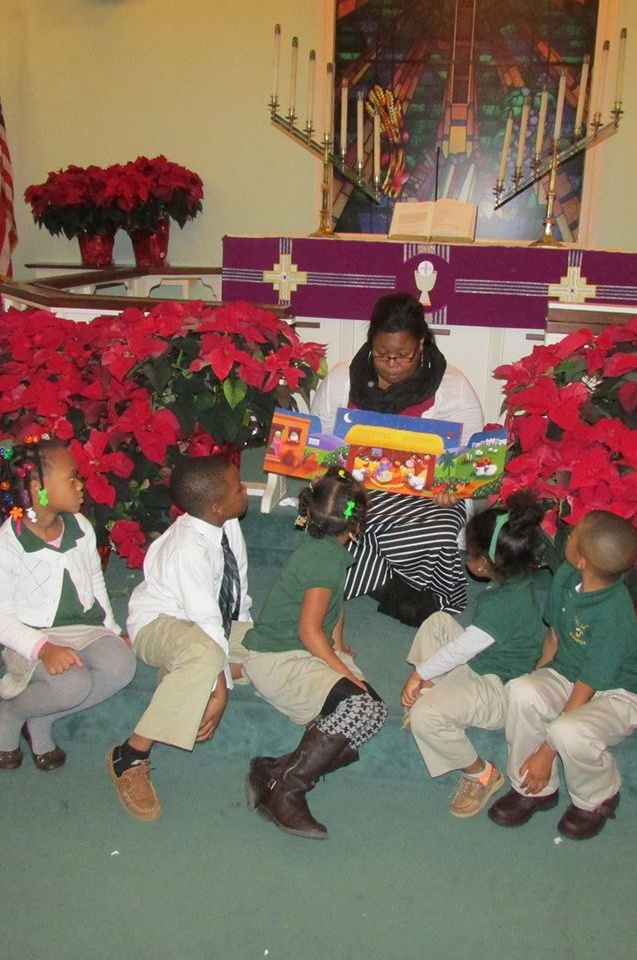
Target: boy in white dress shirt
x,y
183,618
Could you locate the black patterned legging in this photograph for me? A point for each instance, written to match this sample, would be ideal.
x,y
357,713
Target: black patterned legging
x,y
353,713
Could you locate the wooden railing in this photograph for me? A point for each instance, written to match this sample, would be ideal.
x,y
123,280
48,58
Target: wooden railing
x,y
56,293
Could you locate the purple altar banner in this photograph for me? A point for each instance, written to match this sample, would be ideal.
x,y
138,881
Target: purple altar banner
x,y
478,285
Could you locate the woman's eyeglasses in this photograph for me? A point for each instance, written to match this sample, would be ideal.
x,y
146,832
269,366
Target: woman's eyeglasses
x,y
399,358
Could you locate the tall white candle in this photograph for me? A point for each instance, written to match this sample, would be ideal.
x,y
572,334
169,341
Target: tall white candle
x,y
376,145
360,105
329,101
600,80
559,109
581,98
506,145
276,61
524,122
541,120
311,77
344,105
621,65
294,66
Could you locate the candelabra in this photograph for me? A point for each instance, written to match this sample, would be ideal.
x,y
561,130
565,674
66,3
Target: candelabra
x,y
543,163
324,151
287,123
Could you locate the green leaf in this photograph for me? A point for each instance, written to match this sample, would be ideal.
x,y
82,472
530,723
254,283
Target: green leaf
x,y
234,391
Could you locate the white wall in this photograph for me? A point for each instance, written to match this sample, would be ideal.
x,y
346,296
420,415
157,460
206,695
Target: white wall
x,y
100,81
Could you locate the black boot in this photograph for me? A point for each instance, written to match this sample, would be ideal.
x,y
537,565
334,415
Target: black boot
x,y
282,798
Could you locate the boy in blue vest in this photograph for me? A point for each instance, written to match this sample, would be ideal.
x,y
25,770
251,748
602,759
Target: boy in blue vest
x,y
583,700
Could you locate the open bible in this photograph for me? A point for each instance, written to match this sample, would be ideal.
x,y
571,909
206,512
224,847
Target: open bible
x,y
430,220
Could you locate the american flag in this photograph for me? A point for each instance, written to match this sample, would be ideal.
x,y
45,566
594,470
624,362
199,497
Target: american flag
x,y
8,233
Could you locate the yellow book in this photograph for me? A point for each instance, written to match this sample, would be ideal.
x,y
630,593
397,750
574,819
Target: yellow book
x,y
434,220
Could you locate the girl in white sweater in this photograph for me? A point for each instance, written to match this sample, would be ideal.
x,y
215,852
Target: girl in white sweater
x,y
62,648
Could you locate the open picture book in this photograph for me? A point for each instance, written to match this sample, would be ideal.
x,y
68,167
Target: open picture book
x,y
431,220
407,455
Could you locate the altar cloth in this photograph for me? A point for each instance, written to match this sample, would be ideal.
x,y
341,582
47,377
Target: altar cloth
x,y
478,285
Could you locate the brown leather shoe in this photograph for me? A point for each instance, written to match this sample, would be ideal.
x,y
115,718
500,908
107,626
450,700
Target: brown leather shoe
x,y
578,824
10,759
515,809
52,760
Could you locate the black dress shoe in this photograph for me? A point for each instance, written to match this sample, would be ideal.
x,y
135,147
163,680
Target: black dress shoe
x,y
578,824
10,759
45,761
515,809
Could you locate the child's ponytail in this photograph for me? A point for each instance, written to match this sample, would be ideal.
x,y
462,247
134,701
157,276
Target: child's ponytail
x,y
510,538
334,504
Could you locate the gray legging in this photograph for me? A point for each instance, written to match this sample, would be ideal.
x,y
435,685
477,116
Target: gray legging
x,y
108,666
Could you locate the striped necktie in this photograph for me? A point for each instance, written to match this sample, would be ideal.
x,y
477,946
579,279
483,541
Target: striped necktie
x,y
230,591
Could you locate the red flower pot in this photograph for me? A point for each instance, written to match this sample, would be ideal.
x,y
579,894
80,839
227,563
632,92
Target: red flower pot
x,y
96,251
151,246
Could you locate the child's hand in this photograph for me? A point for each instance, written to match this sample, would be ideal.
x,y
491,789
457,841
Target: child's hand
x,y
414,685
214,711
445,499
344,648
57,659
536,770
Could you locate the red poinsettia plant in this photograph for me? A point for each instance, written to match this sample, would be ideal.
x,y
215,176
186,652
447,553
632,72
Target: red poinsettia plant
x,y
99,200
76,200
571,411
133,392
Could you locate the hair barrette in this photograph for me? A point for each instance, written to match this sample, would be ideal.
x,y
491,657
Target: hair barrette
x,y
349,509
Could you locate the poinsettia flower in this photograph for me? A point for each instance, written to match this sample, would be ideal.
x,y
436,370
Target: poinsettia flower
x,y
531,431
154,431
620,364
628,396
129,540
540,397
94,463
572,343
565,411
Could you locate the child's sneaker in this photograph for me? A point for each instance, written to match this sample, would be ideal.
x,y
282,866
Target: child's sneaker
x,y
473,793
135,790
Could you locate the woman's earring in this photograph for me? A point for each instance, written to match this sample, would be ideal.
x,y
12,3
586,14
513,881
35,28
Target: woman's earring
x,y
422,359
43,497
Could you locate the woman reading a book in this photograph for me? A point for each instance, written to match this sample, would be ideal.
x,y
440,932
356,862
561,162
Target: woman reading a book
x,y
408,557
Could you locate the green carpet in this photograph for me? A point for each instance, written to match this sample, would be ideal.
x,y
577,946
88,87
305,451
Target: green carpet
x,y
399,877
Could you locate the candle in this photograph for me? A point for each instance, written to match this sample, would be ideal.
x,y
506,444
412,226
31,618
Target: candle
x,y
360,103
559,109
600,74
376,145
506,143
293,72
329,101
524,121
581,98
541,122
311,74
621,63
276,62
344,105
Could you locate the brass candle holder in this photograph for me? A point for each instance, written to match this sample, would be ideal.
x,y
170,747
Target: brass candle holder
x,y
330,162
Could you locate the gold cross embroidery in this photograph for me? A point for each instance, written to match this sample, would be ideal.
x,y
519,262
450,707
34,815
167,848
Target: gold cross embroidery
x,y
572,288
284,276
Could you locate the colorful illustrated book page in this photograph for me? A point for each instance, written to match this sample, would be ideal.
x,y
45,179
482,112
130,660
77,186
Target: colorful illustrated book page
x,y
407,455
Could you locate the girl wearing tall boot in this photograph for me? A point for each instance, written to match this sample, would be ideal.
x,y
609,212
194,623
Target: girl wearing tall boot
x,y
63,651
299,663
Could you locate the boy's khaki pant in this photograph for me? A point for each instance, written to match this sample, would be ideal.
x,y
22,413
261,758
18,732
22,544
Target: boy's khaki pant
x,y
459,699
189,662
581,737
